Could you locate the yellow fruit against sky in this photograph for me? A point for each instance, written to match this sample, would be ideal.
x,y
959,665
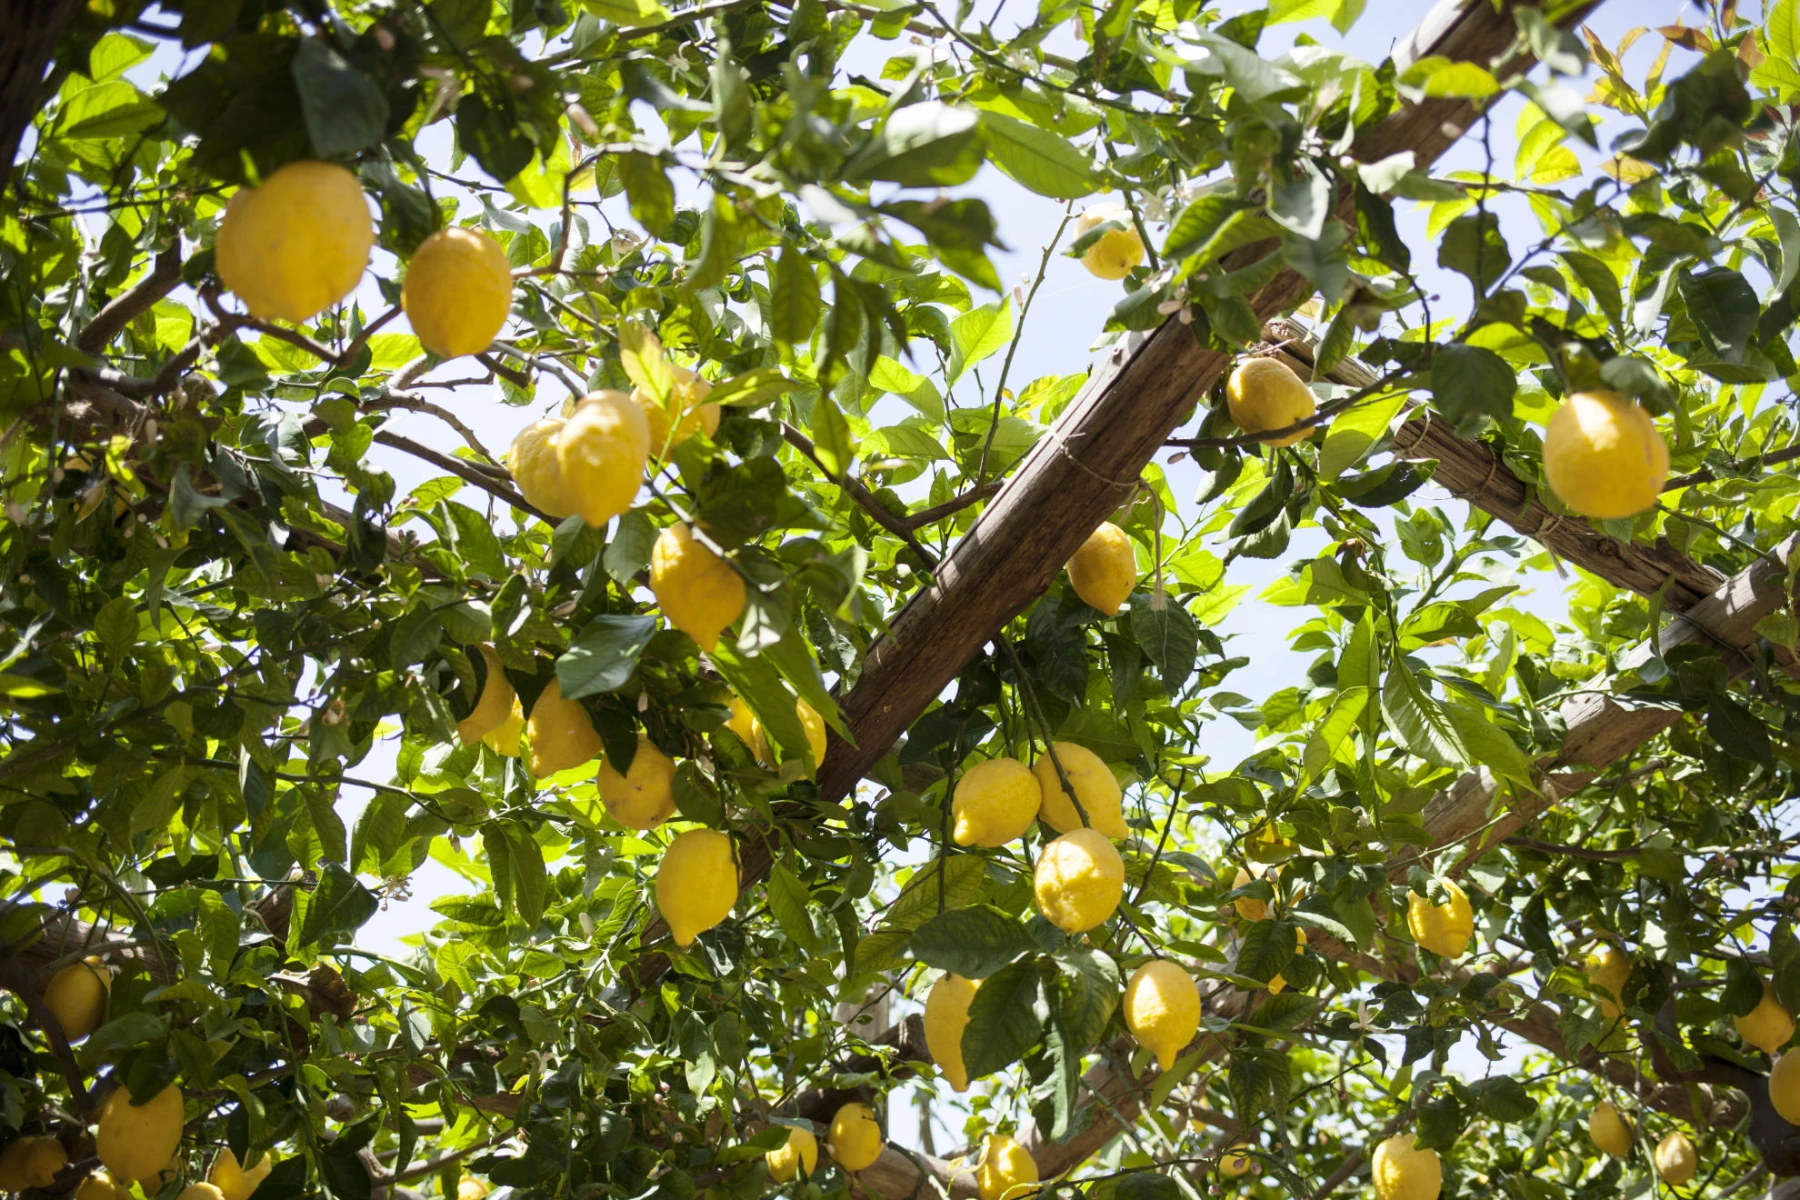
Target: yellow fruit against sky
x,y
1249,907
1236,1161
1264,393
136,1141
232,1180
601,453
801,1151
1401,1171
494,706
296,245
1674,1158
1079,880
504,738
561,733
1443,929
1162,1009
748,729
1784,1086
699,592
76,996
1768,1026
458,291
855,1138
1007,1170
696,883
687,397
535,468
1117,251
644,796
1094,786
1608,1130
995,802
1104,570
1603,456
946,1016
1608,969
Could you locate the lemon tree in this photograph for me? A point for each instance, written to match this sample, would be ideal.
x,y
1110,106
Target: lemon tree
x,y
536,657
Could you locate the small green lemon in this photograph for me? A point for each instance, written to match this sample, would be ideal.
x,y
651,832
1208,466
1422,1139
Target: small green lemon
x,y
996,801
1094,786
1079,880
1162,1009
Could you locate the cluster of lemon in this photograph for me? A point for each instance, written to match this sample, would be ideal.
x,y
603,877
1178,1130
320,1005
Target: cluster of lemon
x,y
1005,1171
299,242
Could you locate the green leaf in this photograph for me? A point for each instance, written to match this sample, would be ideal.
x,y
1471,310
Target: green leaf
x,y
646,365
114,109
530,880
1436,77
628,14
977,334
116,625
1341,13
1469,383
930,144
1354,432
1087,988
794,303
1006,1018
337,907
345,110
1199,223
958,881
971,942
605,653
1473,247
1503,1098
1168,637
1290,1010
1419,722
1041,161
1268,947
1302,204
634,537
1723,305
832,440
647,189
1738,730
791,905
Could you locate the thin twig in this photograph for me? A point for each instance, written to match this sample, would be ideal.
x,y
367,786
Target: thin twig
x,y
1018,332
864,498
955,504
466,471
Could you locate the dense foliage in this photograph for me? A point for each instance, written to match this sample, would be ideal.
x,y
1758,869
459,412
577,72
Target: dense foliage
x,y
218,611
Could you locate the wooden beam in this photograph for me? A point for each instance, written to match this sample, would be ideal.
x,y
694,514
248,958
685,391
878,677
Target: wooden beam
x,y
1089,461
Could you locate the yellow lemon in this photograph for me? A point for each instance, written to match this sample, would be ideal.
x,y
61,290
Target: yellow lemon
x,y
1768,1026
1784,1086
458,291
1263,394
698,591
200,1191
1603,456
855,1137
562,735
1267,845
98,1186
76,996
687,397
1094,786
1007,1170
1104,570
31,1162
232,1180
813,725
1402,1171
535,468
1079,880
1278,985
496,702
1608,969
1674,1158
996,801
1115,252
470,1188
503,739
296,245
946,1016
643,797
136,1141
1235,1161
748,729
1162,1009
696,883
1443,929
1609,1131
1249,907
601,453
800,1153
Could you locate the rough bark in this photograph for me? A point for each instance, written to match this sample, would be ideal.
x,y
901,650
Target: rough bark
x,y
29,30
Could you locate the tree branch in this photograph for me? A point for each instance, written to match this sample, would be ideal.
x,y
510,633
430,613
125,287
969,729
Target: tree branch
x,y
895,525
125,308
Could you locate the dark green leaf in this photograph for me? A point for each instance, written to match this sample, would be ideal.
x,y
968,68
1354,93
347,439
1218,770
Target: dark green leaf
x,y
605,653
344,109
1006,1018
971,942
